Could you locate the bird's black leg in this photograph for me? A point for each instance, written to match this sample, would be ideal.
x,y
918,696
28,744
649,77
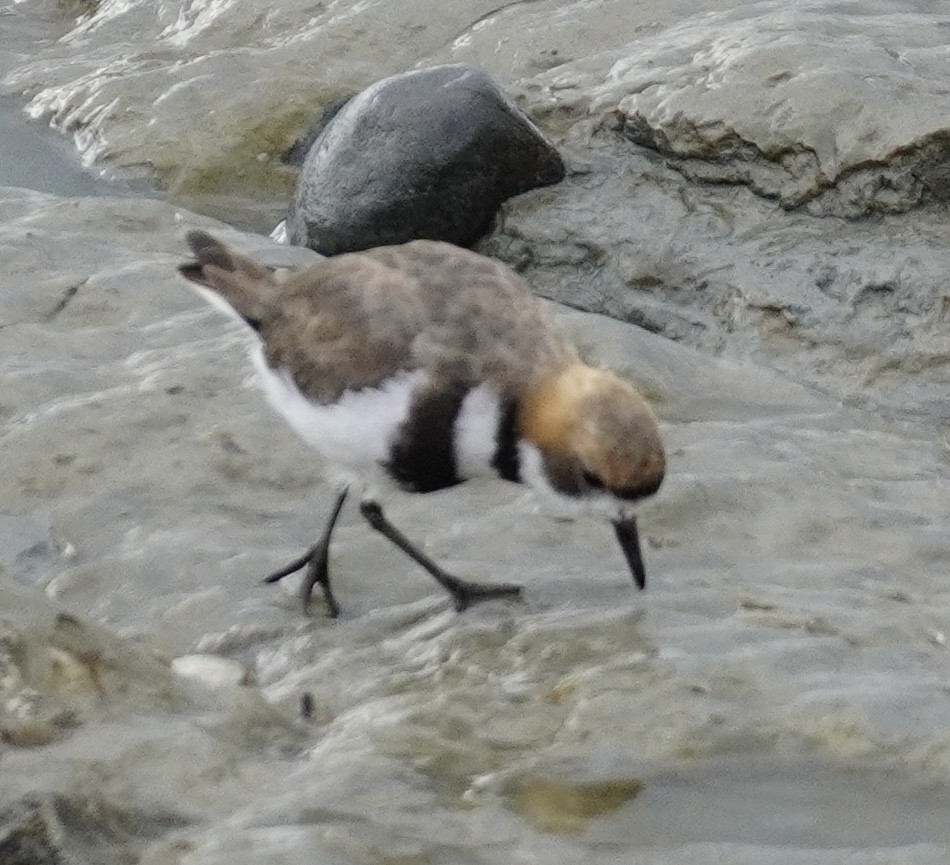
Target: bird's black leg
x,y
463,593
316,560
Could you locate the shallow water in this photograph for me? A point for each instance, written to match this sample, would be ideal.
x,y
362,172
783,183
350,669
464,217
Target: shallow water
x,y
780,693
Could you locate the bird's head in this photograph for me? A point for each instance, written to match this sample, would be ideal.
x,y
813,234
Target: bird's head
x,y
590,439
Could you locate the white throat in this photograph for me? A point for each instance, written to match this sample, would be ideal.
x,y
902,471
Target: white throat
x,y
598,503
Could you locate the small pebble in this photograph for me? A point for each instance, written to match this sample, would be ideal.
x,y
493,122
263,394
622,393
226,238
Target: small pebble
x,y
28,733
213,670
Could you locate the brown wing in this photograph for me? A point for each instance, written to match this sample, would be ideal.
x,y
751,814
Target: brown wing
x,y
483,324
346,323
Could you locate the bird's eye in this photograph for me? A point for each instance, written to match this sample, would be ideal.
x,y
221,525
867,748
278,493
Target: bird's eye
x,y
592,480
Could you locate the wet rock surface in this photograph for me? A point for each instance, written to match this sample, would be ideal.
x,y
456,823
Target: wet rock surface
x,y
797,603
59,830
87,718
735,97
58,673
855,308
426,154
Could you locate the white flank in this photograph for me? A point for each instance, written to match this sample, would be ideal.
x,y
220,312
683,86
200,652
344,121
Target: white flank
x,y
354,433
476,430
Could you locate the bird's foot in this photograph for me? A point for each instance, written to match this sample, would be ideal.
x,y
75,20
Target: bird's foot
x,y
464,593
316,561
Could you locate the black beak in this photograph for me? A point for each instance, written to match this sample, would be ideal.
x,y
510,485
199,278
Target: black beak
x,y
626,531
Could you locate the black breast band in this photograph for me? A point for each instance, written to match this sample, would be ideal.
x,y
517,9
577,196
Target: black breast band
x,y
506,461
422,458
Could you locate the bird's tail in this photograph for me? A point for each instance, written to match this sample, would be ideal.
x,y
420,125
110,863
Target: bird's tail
x,y
221,274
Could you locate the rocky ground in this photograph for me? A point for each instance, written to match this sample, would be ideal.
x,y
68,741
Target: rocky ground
x,y
792,635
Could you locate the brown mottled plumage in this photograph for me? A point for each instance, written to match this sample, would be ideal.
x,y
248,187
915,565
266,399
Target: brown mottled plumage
x,y
357,319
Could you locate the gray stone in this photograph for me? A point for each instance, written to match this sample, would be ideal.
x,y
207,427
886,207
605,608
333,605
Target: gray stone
x,y
61,830
430,153
837,111
759,182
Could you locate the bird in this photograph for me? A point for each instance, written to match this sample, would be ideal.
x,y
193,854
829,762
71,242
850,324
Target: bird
x,y
422,365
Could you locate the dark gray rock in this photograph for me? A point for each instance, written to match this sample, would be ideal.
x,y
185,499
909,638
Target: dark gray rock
x,y
296,155
430,153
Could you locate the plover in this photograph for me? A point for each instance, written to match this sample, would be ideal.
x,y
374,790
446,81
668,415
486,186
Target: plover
x,y
424,365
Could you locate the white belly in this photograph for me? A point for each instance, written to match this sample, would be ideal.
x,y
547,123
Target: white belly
x,y
476,432
356,433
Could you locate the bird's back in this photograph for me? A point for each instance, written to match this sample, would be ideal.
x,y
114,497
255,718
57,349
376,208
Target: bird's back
x,y
355,320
